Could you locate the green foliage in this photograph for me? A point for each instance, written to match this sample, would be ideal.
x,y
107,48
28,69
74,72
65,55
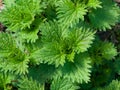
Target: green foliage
x,y
65,45
12,58
29,84
21,14
77,71
4,80
114,85
7,3
94,4
30,34
23,17
103,18
117,65
69,13
62,84
53,45
5,40
43,71
102,51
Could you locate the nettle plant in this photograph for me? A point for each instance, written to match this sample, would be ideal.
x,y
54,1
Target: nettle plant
x,y
54,45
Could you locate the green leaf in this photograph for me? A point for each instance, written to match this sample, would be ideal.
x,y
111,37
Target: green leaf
x,y
94,4
42,72
21,14
50,54
51,50
70,13
20,67
59,45
103,18
29,84
31,34
102,51
108,50
7,44
8,3
62,84
5,78
77,71
51,31
81,39
12,57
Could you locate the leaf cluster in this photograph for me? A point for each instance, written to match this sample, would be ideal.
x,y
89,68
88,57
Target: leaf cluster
x,y
53,42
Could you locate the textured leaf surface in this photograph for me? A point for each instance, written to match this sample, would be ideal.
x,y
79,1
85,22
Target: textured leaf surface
x,y
59,45
62,84
103,18
20,15
94,4
29,84
81,39
50,54
77,71
12,58
6,44
102,51
70,13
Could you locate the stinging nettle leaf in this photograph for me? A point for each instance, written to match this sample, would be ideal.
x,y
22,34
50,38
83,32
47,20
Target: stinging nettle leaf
x,y
29,84
103,18
70,13
59,47
77,71
60,83
21,14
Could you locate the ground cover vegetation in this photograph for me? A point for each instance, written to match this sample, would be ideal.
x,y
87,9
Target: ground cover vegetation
x,y
60,45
